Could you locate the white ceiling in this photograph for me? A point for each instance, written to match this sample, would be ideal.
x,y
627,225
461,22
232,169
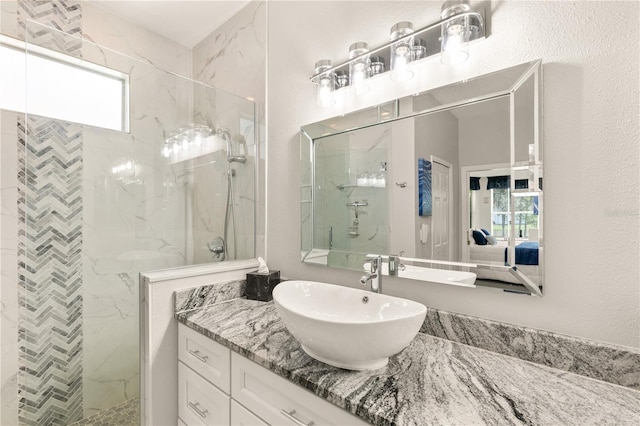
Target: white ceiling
x,y
186,22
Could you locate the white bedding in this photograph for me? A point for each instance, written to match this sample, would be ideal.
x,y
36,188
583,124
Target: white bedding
x,y
494,255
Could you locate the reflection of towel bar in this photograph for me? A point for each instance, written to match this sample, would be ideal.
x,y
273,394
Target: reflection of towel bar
x,y
343,186
357,204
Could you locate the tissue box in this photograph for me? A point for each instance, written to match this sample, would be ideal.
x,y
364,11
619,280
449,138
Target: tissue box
x,y
260,285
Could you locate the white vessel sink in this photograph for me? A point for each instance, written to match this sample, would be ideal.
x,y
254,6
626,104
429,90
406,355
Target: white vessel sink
x,y
345,327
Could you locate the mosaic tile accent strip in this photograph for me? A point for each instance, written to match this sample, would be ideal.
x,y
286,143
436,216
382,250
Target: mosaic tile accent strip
x,y
125,414
50,239
50,271
62,15
208,295
597,360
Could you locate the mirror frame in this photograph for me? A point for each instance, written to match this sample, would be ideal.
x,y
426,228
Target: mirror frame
x,y
393,111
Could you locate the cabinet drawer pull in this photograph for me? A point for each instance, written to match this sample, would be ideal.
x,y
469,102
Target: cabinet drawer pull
x,y
291,416
196,407
197,354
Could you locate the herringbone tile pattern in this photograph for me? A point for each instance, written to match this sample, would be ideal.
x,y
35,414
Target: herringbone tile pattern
x,y
62,15
50,239
50,271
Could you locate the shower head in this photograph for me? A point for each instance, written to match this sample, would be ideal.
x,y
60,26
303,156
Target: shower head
x,y
229,140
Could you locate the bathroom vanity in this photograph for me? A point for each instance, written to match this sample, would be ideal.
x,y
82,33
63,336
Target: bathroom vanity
x,y
254,372
218,386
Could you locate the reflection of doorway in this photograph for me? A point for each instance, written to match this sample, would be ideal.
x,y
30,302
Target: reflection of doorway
x,y
441,174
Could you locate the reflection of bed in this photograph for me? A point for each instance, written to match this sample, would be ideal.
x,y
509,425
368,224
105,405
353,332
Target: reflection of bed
x,y
527,259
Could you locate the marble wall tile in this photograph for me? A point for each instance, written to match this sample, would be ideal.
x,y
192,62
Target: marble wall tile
x,y
9,267
600,361
233,58
9,18
112,31
133,224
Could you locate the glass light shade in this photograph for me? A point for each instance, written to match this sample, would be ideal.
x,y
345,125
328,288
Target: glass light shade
x,y
359,70
325,85
401,51
419,50
377,65
342,79
455,34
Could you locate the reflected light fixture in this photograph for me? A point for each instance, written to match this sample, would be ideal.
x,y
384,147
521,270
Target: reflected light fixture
x,y
458,25
326,84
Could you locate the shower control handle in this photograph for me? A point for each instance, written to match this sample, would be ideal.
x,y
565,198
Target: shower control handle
x,y
216,249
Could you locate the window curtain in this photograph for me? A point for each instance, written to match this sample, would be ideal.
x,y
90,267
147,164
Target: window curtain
x,y
474,183
498,182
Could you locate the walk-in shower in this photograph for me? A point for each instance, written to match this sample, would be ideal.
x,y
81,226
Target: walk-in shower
x,y
93,208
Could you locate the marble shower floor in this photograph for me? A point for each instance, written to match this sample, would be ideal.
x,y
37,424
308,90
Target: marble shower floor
x,y
125,414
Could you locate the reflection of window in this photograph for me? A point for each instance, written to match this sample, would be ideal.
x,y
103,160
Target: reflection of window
x,y
500,213
51,84
526,214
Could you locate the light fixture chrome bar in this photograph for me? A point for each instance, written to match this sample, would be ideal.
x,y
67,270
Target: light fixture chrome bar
x,y
470,13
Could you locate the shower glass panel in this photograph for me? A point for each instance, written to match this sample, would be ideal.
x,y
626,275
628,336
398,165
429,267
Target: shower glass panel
x,y
351,177
99,206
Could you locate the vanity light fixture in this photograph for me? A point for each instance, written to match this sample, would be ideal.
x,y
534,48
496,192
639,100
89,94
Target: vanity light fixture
x,y
401,51
459,25
456,32
326,84
360,68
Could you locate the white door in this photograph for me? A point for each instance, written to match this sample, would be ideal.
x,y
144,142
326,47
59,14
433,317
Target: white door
x,y
441,219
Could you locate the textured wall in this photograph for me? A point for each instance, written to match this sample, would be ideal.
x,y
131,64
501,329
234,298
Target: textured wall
x,y
591,148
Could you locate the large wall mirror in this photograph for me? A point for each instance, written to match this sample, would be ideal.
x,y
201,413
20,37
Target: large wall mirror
x,y
449,180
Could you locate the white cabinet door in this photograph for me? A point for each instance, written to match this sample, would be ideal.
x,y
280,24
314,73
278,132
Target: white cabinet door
x,y
199,402
208,358
240,416
280,402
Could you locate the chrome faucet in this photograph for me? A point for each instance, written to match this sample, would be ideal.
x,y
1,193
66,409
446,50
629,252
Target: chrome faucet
x,y
375,275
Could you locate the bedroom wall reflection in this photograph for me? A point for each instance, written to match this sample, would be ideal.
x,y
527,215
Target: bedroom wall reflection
x,y
448,179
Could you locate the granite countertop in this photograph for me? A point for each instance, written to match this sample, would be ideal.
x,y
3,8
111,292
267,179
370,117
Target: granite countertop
x,y
432,381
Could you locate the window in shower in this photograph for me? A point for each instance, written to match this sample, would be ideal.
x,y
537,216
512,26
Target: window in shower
x,y
62,87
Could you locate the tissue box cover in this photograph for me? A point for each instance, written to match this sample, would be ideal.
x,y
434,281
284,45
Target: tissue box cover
x,y
260,285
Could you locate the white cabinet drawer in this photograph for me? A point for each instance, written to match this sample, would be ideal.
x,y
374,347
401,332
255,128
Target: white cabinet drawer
x,y
208,358
181,423
199,402
280,402
240,416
